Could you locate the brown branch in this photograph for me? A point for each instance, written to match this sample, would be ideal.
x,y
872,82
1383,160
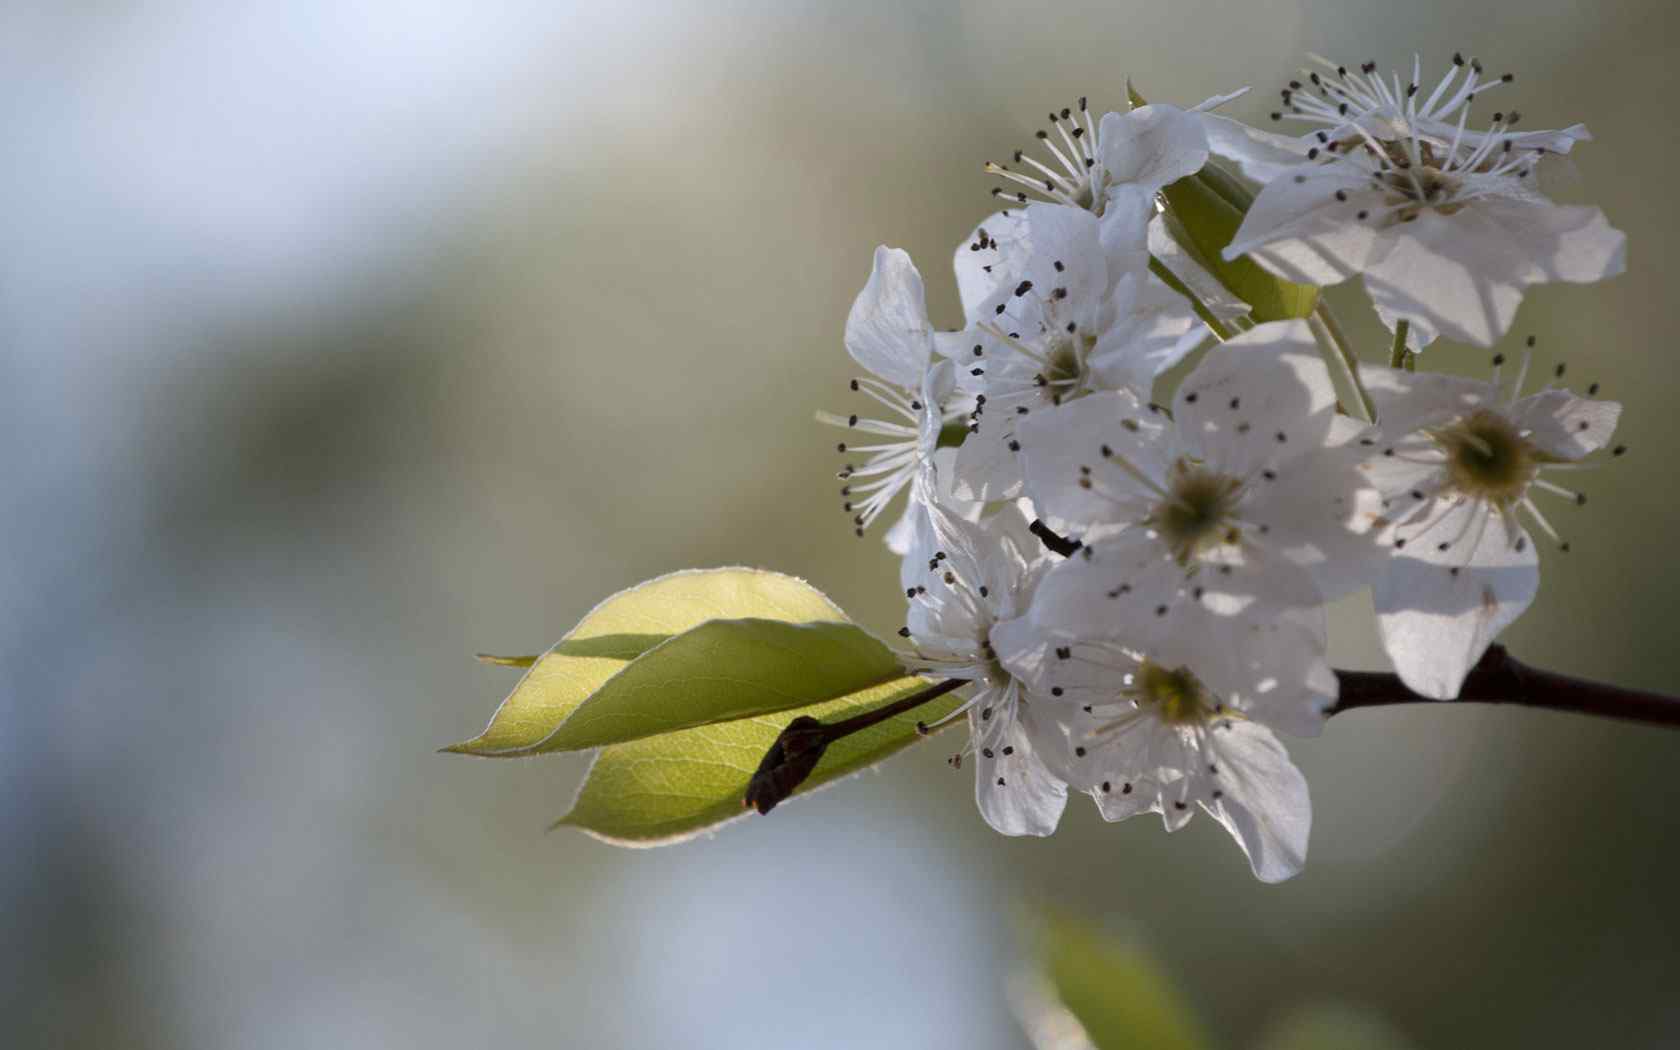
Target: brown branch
x,y
1500,678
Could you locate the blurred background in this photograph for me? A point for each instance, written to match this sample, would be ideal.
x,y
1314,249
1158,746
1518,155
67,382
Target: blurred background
x,y
341,340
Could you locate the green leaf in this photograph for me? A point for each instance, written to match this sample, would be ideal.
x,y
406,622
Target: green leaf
x,y
1210,221
668,788
628,624
724,670
1115,990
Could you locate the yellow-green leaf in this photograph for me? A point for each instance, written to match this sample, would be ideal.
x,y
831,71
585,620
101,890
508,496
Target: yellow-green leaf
x,y
1210,221
668,788
1115,990
628,624
723,670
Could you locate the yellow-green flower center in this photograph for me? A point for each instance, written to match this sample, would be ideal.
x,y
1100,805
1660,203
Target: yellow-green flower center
x,y
1176,696
1196,514
1487,458
1062,364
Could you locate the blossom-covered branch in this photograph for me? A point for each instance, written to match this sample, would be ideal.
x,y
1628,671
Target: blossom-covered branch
x,y
1121,552
1498,678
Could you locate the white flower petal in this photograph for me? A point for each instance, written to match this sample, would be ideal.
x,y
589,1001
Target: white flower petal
x,y
1152,145
1436,622
1565,426
1016,793
1260,155
1407,401
1065,252
1059,444
987,469
1320,511
1564,242
1460,275
990,259
887,331
1299,230
1107,590
1267,382
1149,328
1263,800
1124,230
901,536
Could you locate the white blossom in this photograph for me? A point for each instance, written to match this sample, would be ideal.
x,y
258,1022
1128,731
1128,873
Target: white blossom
x,y
1067,327
1443,223
1339,103
1457,464
1112,168
889,334
1248,482
974,583
1177,711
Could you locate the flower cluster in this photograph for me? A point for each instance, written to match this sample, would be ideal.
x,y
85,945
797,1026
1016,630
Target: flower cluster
x,y
1153,657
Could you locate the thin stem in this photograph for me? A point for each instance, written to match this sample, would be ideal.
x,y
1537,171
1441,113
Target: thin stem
x,y
1340,353
1399,356
854,724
